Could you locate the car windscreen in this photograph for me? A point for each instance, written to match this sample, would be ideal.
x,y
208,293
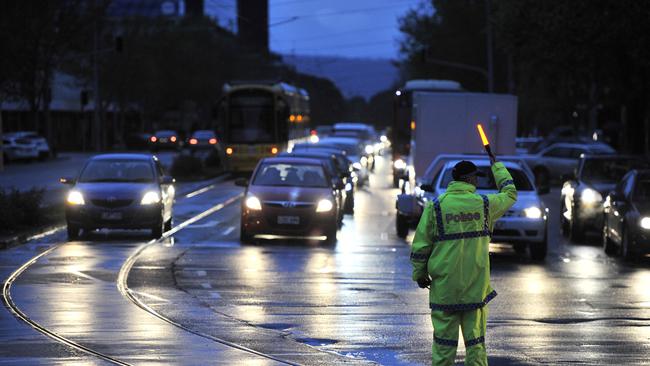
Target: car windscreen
x,y
350,149
127,171
522,183
251,117
290,175
609,170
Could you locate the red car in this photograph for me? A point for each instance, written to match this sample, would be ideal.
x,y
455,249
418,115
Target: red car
x,y
289,198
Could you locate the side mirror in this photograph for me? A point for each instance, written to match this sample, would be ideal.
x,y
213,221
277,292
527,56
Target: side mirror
x,y
426,187
166,179
241,182
66,180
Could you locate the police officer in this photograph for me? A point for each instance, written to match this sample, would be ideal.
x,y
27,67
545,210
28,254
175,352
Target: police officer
x,y
450,253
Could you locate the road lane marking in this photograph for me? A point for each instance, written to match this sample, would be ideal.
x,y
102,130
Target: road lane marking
x,y
201,273
211,223
206,286
228,230
215,295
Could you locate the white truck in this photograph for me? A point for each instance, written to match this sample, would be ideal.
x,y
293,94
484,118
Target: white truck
x,y
445,123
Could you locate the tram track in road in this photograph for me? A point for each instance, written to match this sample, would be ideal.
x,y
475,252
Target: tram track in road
x,y
122,287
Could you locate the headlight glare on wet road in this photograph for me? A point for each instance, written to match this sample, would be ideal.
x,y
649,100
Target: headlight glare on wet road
x,y
324,206
370,149
348,186
253,203
645,223
76,198
533,212
590,196
150,198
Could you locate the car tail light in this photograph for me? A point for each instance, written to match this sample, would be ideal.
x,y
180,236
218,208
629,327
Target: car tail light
x,y
229,150
173,139
153,139
194,141
213,141
274,150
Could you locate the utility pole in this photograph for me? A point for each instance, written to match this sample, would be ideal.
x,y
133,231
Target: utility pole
x,y
488,40
97,132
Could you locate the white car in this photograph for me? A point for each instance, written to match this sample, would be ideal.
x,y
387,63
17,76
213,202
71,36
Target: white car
x,y
42,147
15,148
525,224
561,159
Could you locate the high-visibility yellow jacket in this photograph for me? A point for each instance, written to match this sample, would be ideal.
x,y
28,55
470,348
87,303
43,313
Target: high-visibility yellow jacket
x,y
452,240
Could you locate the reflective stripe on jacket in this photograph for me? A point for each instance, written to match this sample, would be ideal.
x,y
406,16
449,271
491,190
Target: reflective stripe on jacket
x,y
452,240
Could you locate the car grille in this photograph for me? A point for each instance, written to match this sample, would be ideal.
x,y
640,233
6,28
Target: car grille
x,y
289,204
111,203
505,232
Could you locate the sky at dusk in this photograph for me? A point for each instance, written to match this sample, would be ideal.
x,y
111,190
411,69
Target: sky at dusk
x,y
348,28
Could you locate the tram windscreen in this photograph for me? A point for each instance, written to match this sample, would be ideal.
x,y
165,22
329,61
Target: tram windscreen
x,y
251,117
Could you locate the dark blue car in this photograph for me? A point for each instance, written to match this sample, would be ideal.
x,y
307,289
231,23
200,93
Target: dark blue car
x,y
120,191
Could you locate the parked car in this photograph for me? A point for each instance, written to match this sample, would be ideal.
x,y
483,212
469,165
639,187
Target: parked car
x,y
289,198
165,139
41,145
340,176
120,191
583,191
16,148
557,160
626,229
525,225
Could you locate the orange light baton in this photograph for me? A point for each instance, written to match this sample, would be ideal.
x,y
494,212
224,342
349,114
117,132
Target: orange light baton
x,y
484,139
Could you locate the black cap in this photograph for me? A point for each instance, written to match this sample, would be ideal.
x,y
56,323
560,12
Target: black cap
x,y
465,169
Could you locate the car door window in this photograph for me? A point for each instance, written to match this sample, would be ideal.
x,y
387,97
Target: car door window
x,y
559,152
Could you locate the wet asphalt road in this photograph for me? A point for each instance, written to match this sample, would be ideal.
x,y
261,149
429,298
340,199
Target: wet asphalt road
x,y
200,298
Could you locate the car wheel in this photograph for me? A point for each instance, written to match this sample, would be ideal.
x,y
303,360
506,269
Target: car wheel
x,y
331,235
538,251
244,237
608,245
576,233
402,226
73,232
626,252
157,230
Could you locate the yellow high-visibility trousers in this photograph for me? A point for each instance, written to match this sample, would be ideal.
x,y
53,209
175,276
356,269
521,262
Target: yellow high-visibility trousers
x,y
445,336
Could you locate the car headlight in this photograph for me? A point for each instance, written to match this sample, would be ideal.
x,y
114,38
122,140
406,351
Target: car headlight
x,y
348,186
533,212
150,198
399,164
383,138
370,149
645,223
590,196
364,160
357,165
253,203
324,206
75,198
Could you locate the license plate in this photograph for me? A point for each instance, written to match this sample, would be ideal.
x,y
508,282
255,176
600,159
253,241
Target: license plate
x,y
163,139
111,216
288,220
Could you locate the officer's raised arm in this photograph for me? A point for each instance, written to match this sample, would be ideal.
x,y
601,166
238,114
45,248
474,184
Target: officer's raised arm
x,y
502,201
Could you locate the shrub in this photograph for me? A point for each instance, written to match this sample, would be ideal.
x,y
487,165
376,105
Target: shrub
x,y
19,209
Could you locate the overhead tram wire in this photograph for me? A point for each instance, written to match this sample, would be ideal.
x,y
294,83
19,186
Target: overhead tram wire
x,y
331,35
273,3
345,12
